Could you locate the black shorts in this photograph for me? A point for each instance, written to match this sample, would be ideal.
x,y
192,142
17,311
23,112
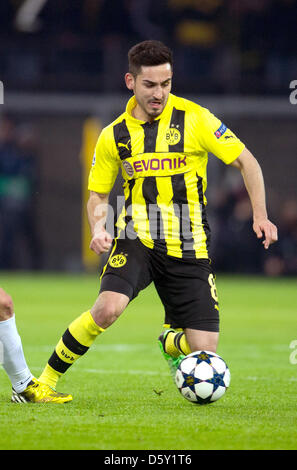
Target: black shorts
x,y
186,287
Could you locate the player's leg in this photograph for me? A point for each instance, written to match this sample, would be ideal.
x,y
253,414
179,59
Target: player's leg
x,y
176,343
109,306
199,340
81,334
124,275
189,295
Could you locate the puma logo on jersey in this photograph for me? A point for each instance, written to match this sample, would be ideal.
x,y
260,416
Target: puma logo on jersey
x,y
127,145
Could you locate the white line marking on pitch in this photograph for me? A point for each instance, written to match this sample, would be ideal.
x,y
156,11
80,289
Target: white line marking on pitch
x,y
103,347
115,371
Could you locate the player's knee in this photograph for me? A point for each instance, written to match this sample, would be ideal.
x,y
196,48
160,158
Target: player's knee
x,y
105,316
105,312
6,306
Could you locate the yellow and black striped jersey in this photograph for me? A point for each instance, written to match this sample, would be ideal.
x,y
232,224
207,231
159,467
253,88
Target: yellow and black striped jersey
x,y
164,169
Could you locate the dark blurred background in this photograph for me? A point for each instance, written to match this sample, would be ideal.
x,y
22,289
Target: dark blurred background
x,y
62,65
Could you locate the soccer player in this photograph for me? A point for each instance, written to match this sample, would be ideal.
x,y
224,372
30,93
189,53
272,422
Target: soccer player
x,y
25,387
161,143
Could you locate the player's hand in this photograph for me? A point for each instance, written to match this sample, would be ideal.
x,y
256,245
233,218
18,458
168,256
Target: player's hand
x,y
267,229
101,242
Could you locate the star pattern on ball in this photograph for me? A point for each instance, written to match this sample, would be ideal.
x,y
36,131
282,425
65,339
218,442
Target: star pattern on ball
x,y
190,380
200,375
203,357
217,380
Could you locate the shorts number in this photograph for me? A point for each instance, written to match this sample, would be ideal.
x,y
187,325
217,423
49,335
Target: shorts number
x,y
213,289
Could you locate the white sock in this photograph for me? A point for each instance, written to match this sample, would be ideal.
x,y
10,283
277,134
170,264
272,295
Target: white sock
x,y
12,356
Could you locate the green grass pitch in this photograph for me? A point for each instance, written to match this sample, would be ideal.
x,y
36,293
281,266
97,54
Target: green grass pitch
x,y
124,397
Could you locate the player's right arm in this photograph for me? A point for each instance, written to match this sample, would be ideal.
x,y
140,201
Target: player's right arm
x,y
102,176
97,207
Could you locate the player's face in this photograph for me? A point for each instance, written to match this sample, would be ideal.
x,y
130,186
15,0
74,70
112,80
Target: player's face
x,y
151,88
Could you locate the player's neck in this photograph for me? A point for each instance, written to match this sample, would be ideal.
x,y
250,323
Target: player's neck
x,y
138,113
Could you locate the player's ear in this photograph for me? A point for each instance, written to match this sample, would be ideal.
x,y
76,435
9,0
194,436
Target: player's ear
x,y
130,81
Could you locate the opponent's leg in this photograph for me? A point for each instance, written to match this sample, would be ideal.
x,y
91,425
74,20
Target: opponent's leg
x,y
25,388
81,334
11,350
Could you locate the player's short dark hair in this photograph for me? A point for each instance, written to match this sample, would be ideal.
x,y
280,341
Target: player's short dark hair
x,y
148,53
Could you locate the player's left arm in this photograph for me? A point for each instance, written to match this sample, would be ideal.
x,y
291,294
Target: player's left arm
x,y
252,175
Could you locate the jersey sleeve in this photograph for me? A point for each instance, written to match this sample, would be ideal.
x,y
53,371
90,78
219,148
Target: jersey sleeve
x,y
217,138
105,165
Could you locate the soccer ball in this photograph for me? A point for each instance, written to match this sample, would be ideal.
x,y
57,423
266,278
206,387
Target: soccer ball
x,y
202,377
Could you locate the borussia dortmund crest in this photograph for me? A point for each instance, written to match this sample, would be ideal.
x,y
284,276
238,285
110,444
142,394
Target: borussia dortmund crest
x,y
173,136
118,261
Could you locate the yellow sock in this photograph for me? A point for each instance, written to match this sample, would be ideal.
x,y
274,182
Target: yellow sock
x,y
176,344
183,344
50,376
170,347
75,342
